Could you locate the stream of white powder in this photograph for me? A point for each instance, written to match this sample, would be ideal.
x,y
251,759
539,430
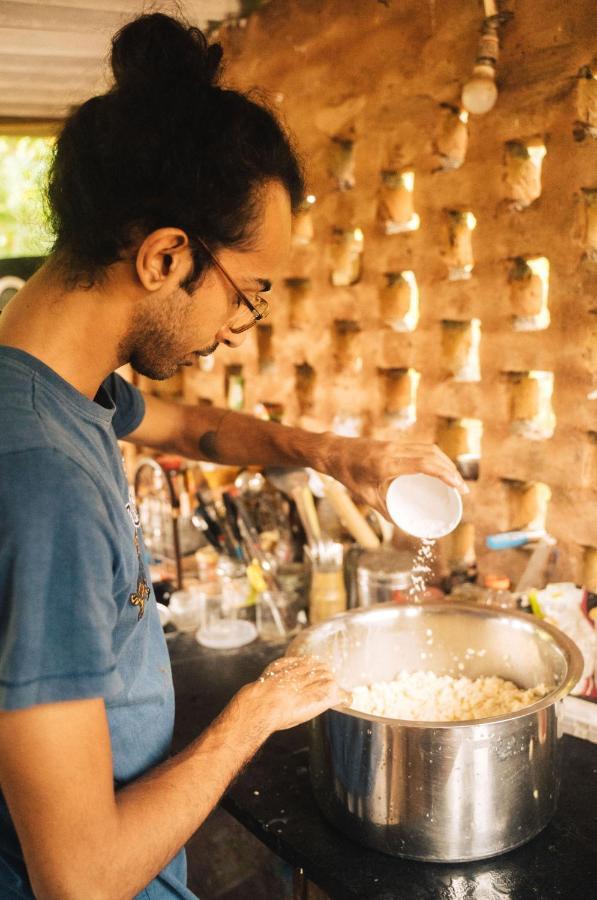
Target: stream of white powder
x,y
422,568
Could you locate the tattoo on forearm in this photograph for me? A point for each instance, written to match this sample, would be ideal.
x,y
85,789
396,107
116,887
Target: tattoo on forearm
x,y
209,440
207,445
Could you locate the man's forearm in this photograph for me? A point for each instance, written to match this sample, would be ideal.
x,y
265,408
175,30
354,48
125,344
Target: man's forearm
x,y
171,801
80,839
363,465
228,437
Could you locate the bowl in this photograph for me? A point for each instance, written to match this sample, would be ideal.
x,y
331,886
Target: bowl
x,y
424,506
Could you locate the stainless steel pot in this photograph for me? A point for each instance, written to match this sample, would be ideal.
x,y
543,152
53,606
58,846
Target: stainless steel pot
x,y
447,792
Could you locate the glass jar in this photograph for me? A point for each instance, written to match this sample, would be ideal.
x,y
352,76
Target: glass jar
x,y
279,615
328,594
234,584
498,591
219,626
185,608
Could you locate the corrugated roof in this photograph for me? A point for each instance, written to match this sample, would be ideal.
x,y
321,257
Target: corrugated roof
x,y
53,52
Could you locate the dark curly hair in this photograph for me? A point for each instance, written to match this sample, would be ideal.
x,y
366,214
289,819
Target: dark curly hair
x,y
166,146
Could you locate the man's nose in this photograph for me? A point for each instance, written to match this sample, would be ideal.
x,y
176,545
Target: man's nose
x,y
229,338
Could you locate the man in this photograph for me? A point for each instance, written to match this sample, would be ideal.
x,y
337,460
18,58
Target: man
x,y
171,202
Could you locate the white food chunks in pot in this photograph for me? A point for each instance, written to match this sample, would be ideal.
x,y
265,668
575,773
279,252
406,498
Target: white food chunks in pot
x,y
427,697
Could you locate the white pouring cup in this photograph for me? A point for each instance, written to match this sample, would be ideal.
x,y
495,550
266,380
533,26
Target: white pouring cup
x,y
424,506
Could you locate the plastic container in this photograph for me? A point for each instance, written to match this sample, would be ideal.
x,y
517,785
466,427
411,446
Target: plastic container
x,y
219,627
185,608
424,506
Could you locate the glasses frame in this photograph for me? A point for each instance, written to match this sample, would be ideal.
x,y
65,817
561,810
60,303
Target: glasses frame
x,y
259,311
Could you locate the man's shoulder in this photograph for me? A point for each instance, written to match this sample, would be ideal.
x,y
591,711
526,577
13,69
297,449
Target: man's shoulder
x,y
43,474
21,429
20,426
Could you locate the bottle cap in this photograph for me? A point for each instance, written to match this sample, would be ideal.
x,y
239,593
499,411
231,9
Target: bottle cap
x,y
496,582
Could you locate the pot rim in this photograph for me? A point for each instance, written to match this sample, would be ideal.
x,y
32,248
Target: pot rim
x,y
574,658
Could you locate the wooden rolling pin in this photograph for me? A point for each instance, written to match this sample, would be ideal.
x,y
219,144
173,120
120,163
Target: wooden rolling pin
x,y
348,514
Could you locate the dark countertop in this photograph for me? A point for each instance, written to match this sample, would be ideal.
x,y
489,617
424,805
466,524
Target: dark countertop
x,y
273,799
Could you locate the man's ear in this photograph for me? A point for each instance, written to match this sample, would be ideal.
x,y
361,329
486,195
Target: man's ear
x,y
164,256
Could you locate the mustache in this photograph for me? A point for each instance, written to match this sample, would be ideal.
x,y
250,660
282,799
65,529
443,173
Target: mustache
x,y
207,351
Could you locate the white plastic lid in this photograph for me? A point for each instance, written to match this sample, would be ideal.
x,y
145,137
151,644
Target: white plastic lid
x,y
424,506
227,634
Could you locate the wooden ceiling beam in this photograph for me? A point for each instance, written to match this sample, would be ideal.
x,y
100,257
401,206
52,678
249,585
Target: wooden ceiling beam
x,y
55,52
63,96
33,17
56,86
69,44
130,7
30,127
11,110
198,12
48,65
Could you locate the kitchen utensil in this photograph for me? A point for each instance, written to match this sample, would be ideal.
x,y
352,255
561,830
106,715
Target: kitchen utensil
x,y
249,482
505,540
202,526
348,514
250,538
295,484
386,528
424,506
443,791
538,569
231,515
213,532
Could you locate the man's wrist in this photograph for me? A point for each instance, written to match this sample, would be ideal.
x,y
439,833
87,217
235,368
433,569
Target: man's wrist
x,y
252,715
232,438
318,450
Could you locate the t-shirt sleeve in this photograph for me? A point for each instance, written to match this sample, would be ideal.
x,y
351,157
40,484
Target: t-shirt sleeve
x,y
129,402
57,606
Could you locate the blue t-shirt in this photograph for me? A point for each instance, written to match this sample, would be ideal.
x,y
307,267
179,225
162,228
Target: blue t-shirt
x,y
78,616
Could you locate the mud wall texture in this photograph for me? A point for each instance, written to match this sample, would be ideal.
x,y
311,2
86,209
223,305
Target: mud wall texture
x,y
499,361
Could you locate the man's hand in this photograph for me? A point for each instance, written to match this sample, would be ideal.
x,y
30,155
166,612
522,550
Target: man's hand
x,y
79,837
366,466
290,691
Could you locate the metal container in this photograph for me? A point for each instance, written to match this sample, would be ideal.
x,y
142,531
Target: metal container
x,y
383,575
447,792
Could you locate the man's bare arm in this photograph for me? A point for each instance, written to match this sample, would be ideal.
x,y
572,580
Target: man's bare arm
x,y
365,466
79,837
224,436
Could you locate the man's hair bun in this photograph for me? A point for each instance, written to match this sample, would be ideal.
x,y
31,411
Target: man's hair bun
x,y
156,51
166,146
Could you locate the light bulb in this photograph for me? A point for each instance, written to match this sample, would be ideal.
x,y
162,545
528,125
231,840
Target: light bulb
x,y
408,180
480,93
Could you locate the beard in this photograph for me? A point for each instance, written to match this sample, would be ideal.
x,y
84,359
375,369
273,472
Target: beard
x,y
207,351
156,369
153,345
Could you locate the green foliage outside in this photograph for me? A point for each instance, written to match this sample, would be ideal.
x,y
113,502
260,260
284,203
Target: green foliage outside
x,y
23,167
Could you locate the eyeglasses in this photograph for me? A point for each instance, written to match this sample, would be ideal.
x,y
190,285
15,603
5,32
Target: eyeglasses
x,y
249,312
